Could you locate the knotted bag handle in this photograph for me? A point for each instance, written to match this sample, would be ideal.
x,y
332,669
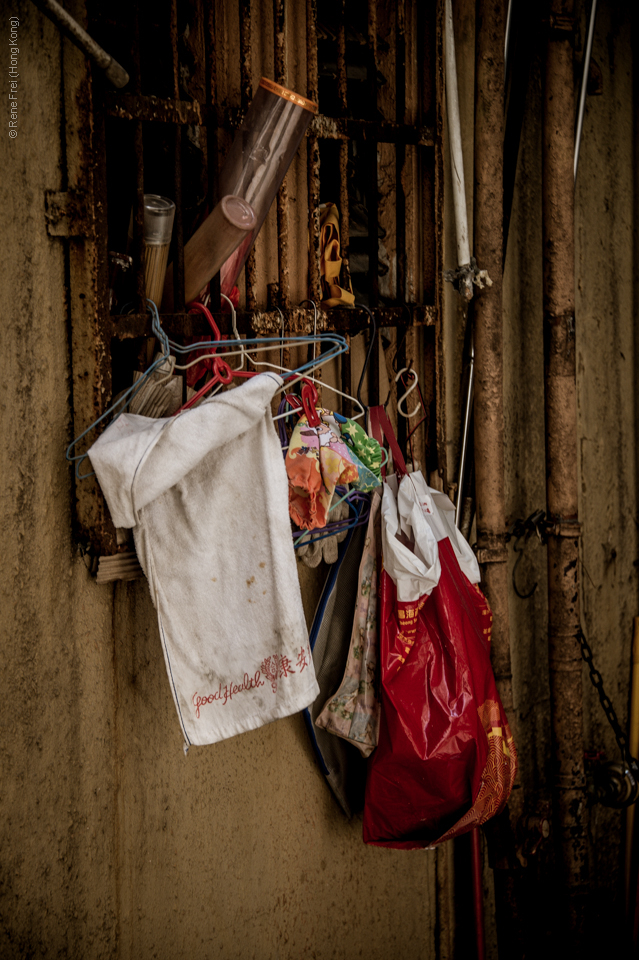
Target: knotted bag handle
x,y
381,428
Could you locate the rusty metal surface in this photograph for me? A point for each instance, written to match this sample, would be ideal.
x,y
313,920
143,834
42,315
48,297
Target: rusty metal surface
x,y
66,213
562,465
313,155
372,193
262,322
178,222
129,106
487,313
246,94
279,25
88,281
378,131
437,28
400,151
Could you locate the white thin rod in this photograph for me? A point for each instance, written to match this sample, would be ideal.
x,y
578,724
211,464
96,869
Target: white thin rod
x,y
507,39
455,142
584,83
464,449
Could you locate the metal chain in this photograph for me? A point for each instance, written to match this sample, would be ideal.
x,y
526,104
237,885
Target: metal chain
x,y
597,682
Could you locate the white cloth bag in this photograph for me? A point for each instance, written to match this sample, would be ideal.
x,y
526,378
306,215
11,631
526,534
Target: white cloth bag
x,y
206,494
415,517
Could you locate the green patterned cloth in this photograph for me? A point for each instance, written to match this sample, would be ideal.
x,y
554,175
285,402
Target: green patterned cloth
x,y
367,448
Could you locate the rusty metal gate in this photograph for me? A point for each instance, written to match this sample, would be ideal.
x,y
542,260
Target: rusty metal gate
x,y
375,147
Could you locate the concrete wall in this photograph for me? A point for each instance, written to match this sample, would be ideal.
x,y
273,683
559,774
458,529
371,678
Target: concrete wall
x,y
606,318
114,844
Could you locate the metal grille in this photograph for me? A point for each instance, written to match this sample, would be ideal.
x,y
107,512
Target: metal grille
x,y
162,133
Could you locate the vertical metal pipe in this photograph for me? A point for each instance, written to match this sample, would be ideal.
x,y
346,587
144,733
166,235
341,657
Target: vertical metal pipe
x,y
561,465
138,249
373,188
488,335
313,157
178,223
211,127
279,26
488,414
342,92
246,90
400,149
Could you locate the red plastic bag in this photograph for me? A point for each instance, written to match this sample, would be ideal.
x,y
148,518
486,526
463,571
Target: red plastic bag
x,y
445,761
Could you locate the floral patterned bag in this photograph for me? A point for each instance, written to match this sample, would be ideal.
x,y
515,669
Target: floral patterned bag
x,y
353,711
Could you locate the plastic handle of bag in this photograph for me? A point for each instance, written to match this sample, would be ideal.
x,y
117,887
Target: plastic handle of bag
x,y
381,427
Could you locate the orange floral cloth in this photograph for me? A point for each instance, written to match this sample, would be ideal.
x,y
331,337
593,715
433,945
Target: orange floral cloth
x,y
317,460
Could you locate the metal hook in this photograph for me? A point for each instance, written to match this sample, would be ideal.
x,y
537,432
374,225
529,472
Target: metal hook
x,y
520,552
360,306
525,528
403,397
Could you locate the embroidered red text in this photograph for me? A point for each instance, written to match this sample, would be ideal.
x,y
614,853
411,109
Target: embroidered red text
x,y
225,693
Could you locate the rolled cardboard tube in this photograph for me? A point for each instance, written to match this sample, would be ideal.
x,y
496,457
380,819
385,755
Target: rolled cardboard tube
x,y
211,245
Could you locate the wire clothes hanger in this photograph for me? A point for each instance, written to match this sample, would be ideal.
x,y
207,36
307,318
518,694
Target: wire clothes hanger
x,y
336,346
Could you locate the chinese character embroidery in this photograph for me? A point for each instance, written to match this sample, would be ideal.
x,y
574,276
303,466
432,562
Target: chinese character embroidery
x,y
273,668
302,662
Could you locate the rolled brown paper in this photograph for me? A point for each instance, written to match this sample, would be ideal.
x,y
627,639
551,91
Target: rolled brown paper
x,y
211,245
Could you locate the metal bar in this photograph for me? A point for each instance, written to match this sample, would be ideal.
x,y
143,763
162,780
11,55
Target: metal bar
x,y
427,159
78,35
138,248
246,91
178,222
372,203
465,437
584,83
566,695
488,424
437,27
211,129
379,131
313,155
135,106
279,25
342,93
372,176
348,322
400,151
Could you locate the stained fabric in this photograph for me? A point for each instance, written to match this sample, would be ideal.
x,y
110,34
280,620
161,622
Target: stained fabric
x,y
206,496
353,711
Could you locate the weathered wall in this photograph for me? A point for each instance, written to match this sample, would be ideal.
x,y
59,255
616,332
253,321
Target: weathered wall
x,y
114,843
606,308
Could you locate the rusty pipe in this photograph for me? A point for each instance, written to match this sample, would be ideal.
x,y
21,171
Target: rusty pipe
x,y
566,697
78,35
488,416
488,334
